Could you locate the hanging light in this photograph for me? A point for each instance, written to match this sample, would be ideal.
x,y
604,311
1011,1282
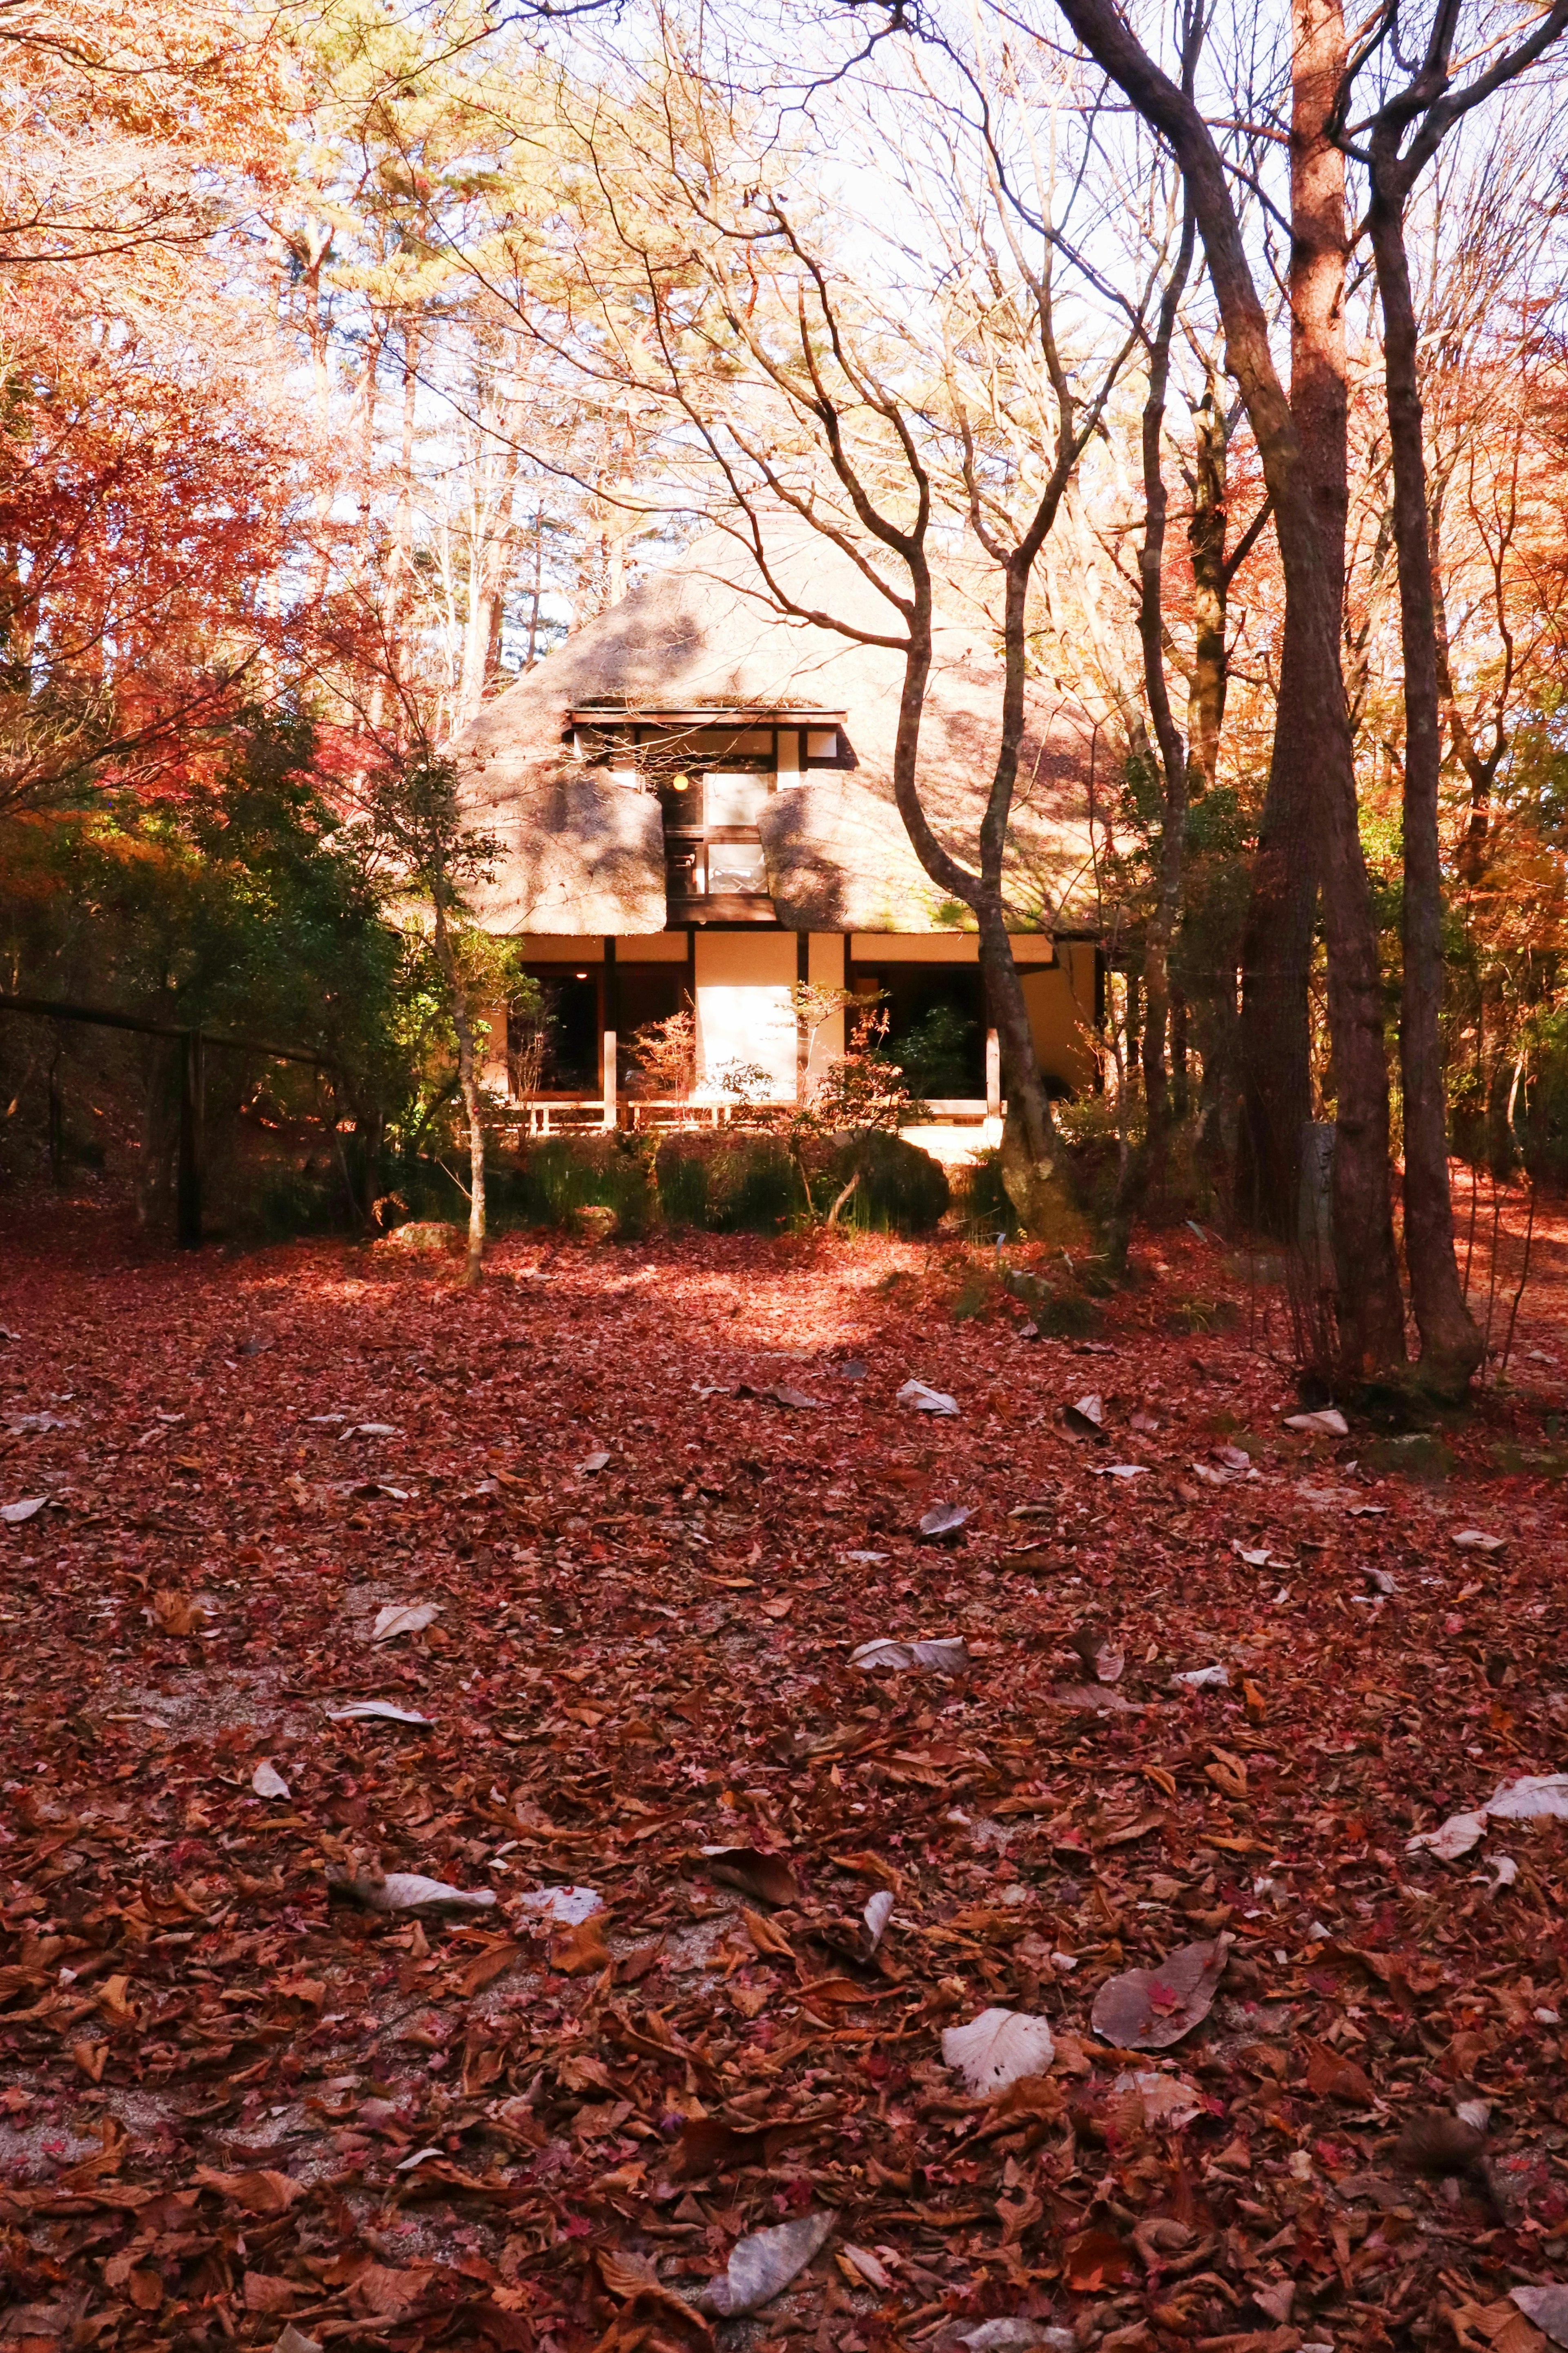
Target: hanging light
x,y
680,783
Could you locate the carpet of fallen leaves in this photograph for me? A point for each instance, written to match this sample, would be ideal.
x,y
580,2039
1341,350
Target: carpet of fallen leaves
x,y
660,1493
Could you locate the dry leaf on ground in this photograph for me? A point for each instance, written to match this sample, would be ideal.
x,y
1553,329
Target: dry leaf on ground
x,y
998,2047
946,1654
408,1891
377,1710
1547,2306
927,1400
762,2265
1148,2010
404,1618
753,1871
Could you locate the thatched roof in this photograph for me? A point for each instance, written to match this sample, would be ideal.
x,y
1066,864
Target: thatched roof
x,y
705,636
835,863
581,856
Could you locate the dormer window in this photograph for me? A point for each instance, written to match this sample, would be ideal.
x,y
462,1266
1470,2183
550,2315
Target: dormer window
x,y
713,773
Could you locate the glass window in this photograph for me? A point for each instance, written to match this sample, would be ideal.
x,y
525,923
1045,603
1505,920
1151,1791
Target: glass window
x,y
822,744
733,799
735,866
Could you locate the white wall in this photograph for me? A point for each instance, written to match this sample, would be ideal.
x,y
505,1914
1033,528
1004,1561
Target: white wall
x,y
743,1010
826,969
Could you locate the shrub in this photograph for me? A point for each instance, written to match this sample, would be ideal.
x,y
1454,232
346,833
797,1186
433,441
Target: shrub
x,y
982,1200
901,1189
1190,1318
752,1188
682,1182
564,1174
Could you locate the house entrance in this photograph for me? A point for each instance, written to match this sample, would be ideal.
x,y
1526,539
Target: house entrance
x,y
570,1004
643,993
936,1027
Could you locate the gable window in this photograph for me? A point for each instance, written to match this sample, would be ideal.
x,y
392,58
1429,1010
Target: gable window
x,y
712,780
712,854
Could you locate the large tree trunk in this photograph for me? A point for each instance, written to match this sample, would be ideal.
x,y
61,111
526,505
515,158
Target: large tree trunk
x,y
1451,1346
1276,944
1371,1310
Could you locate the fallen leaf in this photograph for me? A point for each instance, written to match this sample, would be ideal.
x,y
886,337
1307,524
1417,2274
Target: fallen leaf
x,y
1086,1416
754,1872
1532,1798
1453,1837
263,2292
568,1907
177,1614
945,1520
996,2048
924,1400
404,1618
578,1951
266,1781
1014,2337
1477,1540
1216,1678
1167,2099
13,1514
591,1463
1096,2259
376,1711
408,1891
294,2340
860,2262
763,2264
1092,1699
255,2191
1547,2306
1148,2010
1119,1469
1330,2075
878,1913
1327,1422
946,1654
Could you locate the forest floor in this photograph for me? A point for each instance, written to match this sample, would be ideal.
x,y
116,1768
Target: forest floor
x,y
657,1494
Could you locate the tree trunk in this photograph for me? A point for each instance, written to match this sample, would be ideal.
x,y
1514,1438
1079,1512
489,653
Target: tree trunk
x,y
1173,754
1451,1345
1276,944
468,1089
1371,1310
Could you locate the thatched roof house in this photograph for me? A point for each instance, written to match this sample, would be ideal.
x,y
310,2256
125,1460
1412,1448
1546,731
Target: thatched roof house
x,y
695,765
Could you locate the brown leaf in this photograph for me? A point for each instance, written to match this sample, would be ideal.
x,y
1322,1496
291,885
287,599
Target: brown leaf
x,y
1096,2260
1331,2076
1148,2010
767,1876
177,1614
255,2191
765,1937
574,1951
762,2265
264,2293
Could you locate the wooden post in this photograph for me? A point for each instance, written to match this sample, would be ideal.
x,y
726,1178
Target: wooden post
x,y
801,1035
993,1075
188,1169
611,1016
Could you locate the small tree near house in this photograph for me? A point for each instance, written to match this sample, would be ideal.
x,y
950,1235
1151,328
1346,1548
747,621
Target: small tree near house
x,y
416,822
